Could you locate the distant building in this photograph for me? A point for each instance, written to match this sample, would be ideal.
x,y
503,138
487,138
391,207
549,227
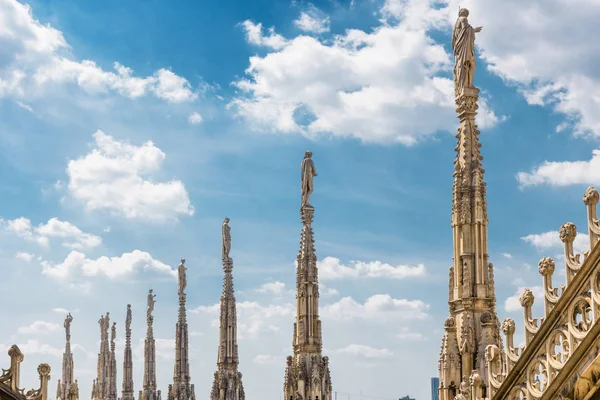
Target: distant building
x,y
406,398
435,385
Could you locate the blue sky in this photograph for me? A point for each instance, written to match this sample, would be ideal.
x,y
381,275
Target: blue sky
x,y
129,130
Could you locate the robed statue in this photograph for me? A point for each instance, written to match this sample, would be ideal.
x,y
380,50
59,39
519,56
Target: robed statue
x,y
67,326
226,236
308,173
182,279
151,302
463,45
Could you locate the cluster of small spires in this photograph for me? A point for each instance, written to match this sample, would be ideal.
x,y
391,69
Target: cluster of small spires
x,y
228,380
307,375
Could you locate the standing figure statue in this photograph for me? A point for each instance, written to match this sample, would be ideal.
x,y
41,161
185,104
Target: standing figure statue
x,y
308,173
151,302
67,326
463,45
226,236
182,279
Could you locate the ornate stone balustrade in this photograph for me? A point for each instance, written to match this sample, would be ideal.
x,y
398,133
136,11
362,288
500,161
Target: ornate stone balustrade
x,y
559,340
10,378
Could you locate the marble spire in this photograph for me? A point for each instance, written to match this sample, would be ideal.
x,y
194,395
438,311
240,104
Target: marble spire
x,y
67,387
307,373
112,385
100,387
149,391
473,323
127,389
227,384
181,389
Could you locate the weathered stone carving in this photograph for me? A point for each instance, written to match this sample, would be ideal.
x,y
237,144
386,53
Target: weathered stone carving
x,y
308,173
226,233
463,44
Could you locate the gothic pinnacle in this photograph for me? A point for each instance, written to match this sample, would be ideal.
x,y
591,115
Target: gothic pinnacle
x,y
127,390
67,387
227,382
473,323
181,389
307,372
149,391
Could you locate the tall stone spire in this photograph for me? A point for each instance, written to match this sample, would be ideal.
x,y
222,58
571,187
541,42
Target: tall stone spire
x,y
149,391
127,390
307,373
181,389
67,388
473,323
100,387
112,385
227,384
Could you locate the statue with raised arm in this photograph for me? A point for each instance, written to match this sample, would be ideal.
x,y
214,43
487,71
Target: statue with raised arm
x,y
151,302
182,279
67,326
226,236
308,173
463,45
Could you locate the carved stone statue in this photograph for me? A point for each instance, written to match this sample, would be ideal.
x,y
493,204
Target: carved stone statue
x,y
463,45
67,326
151,302
182,278
128,318
308,173
226,234
113,332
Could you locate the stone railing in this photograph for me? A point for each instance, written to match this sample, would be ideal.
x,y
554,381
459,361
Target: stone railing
x,y
571,311
10,377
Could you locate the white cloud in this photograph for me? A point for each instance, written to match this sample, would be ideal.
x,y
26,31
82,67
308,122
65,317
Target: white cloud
x,y
406,335
34,55
564,173
379,307
365,351
263,359
60,310
507,255
24,256
253,318
195,118
34,346
25,106
271,287
327,290
313,21
254,35
551,240
512,303
71,236
110,177
379,87
111,267
332,268
39,328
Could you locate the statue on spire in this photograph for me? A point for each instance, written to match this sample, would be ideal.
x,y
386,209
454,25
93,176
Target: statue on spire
x,y
67,326
463,45
182,279
226,236
308,173
151,302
